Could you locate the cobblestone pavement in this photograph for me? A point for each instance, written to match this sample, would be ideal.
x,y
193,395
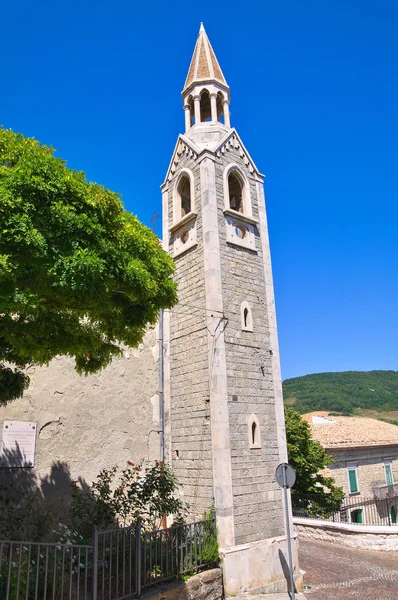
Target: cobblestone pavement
x,y
336,573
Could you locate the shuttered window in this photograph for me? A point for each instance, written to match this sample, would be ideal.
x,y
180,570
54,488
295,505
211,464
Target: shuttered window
x,y
356,516
352,476
389,479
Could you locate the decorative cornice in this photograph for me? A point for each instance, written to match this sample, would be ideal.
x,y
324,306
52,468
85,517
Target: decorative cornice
x,y
229,212
183,221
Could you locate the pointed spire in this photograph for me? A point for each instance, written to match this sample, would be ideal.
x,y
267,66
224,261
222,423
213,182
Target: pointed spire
x,y
204,64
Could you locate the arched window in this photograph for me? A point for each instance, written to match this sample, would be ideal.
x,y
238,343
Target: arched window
x,y
254,432
205,106
246,317
184,191
220,107
235,188
183,195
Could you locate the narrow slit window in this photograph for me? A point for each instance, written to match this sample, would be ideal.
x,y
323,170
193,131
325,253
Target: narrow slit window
x,y
246,317
254,432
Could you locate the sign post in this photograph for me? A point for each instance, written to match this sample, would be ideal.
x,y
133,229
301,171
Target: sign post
x,y
286,477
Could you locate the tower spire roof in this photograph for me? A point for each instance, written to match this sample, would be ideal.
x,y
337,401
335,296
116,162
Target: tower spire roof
x,y
204,64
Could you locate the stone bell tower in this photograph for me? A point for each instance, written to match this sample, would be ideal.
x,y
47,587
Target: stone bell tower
x,y
224,424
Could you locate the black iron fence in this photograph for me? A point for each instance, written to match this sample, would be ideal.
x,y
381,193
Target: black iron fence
x,y
352,509
118,565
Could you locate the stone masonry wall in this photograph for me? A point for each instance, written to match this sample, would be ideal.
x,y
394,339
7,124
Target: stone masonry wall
x,y
203,586
258,510
94,422
354,536
370,467
190,414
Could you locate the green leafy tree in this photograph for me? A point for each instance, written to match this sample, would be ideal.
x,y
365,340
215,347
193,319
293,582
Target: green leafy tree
x,y
343,392
79,275
308,458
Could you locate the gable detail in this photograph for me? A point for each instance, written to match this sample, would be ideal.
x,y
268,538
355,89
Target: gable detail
x,y
182,149
231,142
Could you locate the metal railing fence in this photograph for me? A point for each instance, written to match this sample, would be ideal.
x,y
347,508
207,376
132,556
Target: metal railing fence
x,y
167,553
118,565
352,509
41,571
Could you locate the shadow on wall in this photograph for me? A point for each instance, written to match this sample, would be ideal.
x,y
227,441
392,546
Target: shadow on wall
x,y
286,571
32,507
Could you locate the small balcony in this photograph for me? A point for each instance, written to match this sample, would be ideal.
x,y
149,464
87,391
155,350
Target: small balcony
x,y
381,490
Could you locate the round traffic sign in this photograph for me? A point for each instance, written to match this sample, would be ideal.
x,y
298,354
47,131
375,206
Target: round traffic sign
x,y
285,475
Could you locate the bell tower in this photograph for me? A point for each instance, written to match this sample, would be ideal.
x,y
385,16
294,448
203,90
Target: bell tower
x,y
224,423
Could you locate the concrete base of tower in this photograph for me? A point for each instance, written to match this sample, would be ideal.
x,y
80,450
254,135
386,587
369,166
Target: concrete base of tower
x,y
261,566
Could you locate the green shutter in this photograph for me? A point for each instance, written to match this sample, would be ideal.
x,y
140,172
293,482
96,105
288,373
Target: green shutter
x,y
356,516
393,516
388,474
352,474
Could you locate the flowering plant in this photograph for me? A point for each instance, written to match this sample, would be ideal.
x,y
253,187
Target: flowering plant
x,y
144,491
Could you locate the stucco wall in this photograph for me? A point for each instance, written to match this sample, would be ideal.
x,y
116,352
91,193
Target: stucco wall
x,y
94,422
370,466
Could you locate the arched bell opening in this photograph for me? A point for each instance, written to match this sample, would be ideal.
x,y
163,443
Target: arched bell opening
x,y
220,107
205,106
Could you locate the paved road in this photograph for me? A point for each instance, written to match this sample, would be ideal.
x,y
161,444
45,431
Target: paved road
x,y
337,573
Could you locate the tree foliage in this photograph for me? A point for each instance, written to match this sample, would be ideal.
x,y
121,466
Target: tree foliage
x,y
79,275
308,458
343,392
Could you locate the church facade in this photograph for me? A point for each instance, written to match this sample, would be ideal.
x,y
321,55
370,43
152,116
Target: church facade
x,y
222,420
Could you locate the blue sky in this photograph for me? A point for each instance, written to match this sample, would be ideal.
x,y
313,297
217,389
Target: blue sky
x,y
314,96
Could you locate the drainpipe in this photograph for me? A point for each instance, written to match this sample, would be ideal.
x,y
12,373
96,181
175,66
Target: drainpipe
x,y
161,407
161,403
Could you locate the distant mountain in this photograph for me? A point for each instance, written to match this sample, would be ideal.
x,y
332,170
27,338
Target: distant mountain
x,y
343,392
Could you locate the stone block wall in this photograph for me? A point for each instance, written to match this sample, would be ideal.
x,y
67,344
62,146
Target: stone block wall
x,y
189,375
203,586
257,498
354,536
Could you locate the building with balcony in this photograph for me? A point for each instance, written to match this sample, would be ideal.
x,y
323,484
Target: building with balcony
x,y
365,453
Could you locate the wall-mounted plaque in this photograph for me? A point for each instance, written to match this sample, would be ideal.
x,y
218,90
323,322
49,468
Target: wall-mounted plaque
x,y
18,444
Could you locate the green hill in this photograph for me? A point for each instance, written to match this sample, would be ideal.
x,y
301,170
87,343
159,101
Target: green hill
x,y
343,392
